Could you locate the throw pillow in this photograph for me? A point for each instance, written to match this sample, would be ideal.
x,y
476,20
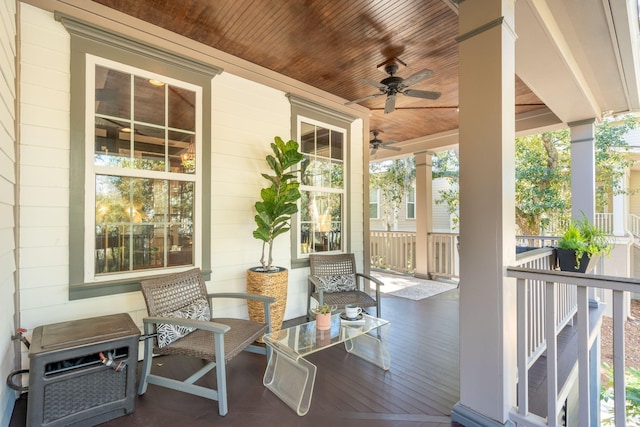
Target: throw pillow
x,y
168,333
338,283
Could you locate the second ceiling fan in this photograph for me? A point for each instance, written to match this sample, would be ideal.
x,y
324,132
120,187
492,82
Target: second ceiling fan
x,y
376,143
393,85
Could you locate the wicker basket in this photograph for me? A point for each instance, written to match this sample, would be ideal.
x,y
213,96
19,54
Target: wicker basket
x,y
273,284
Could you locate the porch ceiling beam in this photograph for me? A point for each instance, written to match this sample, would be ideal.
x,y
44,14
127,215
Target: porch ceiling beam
x,y
545,62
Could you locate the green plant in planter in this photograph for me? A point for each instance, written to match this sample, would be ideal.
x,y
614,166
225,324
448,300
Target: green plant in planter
x,y
278,202
583,237
323,309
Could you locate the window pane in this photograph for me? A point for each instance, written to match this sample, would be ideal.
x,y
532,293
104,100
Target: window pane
x,y
336,145
307,138
337,175
182,112
142,223
149,144
112,146
113,93
322,223
182,152
322,142
148,101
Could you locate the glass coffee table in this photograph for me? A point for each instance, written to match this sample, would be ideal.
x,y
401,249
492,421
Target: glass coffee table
x,y
291,377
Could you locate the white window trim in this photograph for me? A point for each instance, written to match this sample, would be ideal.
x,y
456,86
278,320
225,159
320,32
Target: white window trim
x,y
377,217
343,191
91,171
407,203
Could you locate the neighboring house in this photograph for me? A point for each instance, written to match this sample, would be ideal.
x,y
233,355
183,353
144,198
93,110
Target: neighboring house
x,y
405,219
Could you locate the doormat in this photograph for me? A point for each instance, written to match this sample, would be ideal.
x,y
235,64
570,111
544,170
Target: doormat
x,y
423,290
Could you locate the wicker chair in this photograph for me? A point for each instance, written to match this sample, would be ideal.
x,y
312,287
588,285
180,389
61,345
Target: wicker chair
x,y
325,266
216,340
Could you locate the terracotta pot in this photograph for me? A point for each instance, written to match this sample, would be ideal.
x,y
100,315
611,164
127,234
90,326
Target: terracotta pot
x,y
272,284
323,321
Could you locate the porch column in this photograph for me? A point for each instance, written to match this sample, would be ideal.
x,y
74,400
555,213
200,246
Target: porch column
x,y
424,222
583,169
487,213
620,208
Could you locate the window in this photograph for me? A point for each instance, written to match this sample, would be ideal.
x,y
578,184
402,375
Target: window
x,y
140,161
142,174
374,203
411,203
322,186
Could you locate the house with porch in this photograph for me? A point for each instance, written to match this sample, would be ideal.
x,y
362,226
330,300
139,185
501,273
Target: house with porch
x,y
134,135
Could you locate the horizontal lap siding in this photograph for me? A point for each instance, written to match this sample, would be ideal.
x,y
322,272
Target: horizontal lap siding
x,y
7,198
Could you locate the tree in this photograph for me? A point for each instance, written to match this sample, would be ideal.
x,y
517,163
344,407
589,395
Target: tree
x,y
543,192
394,178
444,164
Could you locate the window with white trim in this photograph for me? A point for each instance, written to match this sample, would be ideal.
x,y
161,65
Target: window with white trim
x,y
142,173
321,214
138,184
374,203
410,203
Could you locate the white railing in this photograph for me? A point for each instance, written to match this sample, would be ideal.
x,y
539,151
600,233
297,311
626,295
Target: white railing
x,y
634,224
604,221
393,250
544,259
443,255
587,337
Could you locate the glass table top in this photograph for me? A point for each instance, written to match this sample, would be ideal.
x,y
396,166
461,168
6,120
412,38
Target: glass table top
x,y
301,340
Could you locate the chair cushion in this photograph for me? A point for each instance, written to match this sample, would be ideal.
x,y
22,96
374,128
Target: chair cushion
x,y
338,282
168,333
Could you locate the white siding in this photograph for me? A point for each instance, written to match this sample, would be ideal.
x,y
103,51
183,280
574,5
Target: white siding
x,y
7,200
245,118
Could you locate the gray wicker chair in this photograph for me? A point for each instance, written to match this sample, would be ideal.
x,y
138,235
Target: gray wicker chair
x,y
327,265
216,341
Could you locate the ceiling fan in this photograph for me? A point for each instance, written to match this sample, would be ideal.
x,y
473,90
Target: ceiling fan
x,y
393,85
376,143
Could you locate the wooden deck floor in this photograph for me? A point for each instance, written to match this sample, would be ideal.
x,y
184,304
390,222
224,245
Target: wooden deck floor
x,y
419,390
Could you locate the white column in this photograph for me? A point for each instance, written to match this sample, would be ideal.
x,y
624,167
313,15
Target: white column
x,y
424,221
487,213
583,169
620,209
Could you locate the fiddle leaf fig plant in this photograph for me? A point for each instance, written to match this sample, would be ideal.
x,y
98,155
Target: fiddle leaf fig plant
x,y
279,199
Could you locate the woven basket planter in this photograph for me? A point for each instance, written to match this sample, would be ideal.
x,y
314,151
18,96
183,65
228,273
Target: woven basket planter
x,y
272,284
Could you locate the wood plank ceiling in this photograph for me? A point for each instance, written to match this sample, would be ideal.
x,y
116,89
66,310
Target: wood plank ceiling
x,y
332,44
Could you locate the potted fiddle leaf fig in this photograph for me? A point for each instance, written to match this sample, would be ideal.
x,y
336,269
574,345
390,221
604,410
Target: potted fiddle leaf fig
x,y
581,245
273,218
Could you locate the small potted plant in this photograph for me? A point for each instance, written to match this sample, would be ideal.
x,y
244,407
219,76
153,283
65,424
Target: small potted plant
x,y
581,245
323,316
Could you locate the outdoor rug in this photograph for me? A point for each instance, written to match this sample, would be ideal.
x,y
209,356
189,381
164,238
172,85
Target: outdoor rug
x,y
423,290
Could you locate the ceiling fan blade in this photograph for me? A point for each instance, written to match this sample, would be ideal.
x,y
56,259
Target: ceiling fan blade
x,y
374,83
390,104
373,151
355,101
417,77
388,147
421,94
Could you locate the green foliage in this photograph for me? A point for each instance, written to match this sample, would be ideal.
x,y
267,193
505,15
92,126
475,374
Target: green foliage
x,y
584,237
279,199
323,309
395,179
632,391
543,174
445,165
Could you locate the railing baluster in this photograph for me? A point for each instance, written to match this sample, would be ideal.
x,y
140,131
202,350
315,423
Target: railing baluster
x,y
619,392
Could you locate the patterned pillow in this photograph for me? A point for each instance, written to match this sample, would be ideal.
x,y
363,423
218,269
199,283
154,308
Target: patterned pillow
x,y
338,283
168,333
